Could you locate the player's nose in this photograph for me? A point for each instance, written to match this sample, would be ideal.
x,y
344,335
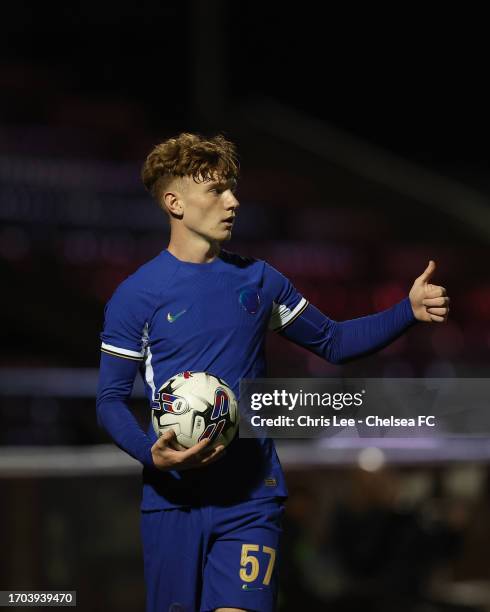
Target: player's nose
x,y
232,204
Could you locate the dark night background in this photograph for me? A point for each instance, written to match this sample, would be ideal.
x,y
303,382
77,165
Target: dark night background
x,y
363,136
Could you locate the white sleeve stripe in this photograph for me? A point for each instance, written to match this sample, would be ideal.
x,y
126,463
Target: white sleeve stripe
x,y
122,351
282,315
120,356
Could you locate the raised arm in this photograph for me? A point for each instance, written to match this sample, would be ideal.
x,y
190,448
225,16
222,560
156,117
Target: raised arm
x,y
338,342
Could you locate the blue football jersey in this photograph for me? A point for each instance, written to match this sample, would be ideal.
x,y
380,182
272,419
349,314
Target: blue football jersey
x,y
172,316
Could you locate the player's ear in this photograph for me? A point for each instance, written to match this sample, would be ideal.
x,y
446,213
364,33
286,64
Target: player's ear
x,y
172,203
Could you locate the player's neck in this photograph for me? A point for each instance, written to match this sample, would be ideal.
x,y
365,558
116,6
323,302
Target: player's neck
x,y
198,251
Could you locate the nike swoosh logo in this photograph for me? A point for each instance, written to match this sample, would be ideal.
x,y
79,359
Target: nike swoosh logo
x,y
171,318
245,587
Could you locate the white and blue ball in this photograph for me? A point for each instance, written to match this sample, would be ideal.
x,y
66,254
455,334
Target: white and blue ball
x,y
196,405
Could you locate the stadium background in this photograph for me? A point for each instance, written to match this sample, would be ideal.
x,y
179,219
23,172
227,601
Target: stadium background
x,y
364,150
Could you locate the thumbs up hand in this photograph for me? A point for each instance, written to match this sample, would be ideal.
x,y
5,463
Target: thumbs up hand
x,y
429,302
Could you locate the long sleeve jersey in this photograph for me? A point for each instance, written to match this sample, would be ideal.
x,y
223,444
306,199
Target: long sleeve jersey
x,y
171,316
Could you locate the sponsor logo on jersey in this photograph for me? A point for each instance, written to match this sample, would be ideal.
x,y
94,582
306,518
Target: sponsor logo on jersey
x,y
171,318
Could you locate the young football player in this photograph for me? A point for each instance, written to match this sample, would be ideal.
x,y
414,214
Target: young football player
x,y
211,519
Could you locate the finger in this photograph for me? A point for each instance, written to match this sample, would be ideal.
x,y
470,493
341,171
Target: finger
x,y
442,312
438,301
176,445
428,272
170,441
166,438
434,291
199,461
206,453
194,450
437,318
168,434
220,452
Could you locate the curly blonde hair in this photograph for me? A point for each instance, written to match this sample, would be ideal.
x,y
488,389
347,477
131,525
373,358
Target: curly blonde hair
x,y
189,155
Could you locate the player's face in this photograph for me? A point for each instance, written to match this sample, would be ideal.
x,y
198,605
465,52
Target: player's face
x,y
209,208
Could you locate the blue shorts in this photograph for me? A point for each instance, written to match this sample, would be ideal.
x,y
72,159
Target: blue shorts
x,y
200,559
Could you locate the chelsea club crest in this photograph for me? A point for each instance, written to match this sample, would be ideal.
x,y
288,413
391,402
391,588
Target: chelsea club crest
x,y
249,300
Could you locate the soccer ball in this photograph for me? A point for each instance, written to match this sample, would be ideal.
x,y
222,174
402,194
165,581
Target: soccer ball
x,y
196,405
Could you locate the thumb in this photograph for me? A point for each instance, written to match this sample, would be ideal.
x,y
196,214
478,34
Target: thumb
x,y
167,437
428,272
